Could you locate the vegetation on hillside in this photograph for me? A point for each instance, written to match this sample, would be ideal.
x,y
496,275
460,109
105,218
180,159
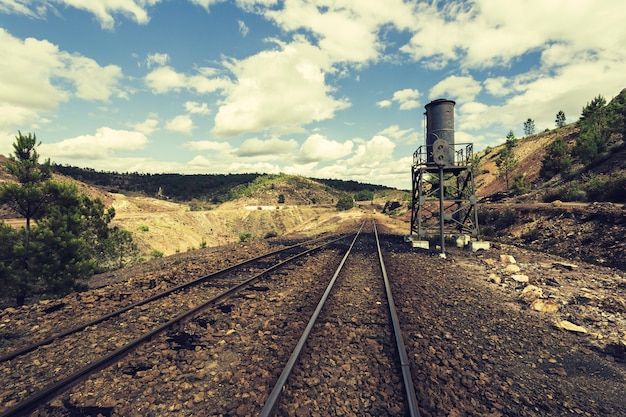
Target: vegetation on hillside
x,y
212,188
602,129
66,237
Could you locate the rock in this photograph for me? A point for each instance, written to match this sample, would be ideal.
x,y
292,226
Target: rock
x,y
571,327
507,259
547,306
512,269
494,278
565,265
520,278
530,293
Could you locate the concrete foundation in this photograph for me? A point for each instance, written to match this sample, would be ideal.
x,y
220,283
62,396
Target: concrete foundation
x,y
478,245
422,244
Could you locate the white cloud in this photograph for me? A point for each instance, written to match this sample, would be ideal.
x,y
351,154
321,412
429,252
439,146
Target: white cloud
x,y
347,30
461,89
92,81
206,4
407,98
282,88
147,127
103,144
157,60
372,153
488,33
210,146
17,7
38,77
317,148
181,124
383,104
274,146
103,10
165,79
243,29
399,135
193,107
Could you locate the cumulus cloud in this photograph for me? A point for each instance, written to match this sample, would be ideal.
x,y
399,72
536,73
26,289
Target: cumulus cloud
x,y
281,88
346,31
104,10
39,76
407,98
181,124
165,79
194,107
209,146
461,89
206,4
147,127
274,146
318,148
104,143
399,135
157,60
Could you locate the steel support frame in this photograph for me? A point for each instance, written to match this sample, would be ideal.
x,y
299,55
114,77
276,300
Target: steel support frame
x,y
448,210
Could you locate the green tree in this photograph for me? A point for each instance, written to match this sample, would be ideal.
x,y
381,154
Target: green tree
x,y
364,195
511,140
560,119
506,161
55,251
520,183
557,159
529,127
118,249
281,198
28,198
345,202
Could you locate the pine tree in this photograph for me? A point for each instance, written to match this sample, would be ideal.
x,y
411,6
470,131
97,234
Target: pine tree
x,y
557,159
506,161
560,119
56,248
529,127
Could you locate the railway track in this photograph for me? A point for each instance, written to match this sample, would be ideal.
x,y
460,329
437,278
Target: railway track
x,y
471,348
350,360
33,378
220,350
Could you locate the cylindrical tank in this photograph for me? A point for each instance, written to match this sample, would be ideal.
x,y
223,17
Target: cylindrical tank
x,y
440,126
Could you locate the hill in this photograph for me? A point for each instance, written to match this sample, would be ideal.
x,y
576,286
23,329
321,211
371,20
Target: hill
x,y
592,174
171,213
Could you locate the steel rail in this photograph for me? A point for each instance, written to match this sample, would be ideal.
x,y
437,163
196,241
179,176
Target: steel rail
x,y
282,379
404,359
39,398
197,281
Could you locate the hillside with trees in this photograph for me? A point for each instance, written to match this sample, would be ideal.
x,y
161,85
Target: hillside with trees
x,y
583,161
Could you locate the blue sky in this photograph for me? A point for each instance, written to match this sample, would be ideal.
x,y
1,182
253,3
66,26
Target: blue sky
x,y
320,88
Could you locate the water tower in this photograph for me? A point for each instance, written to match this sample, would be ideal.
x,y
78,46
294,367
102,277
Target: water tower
x,y
443,190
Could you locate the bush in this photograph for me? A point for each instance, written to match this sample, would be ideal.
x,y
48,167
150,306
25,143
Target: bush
x,y
345,202
364,195
270,234
143,228
244,236
156,254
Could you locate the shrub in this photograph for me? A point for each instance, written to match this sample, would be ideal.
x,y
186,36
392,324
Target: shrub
x,y
244,236
345,202
143,228
270,234
156,254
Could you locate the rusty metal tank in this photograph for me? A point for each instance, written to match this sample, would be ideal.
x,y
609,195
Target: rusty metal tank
x,y
440,131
